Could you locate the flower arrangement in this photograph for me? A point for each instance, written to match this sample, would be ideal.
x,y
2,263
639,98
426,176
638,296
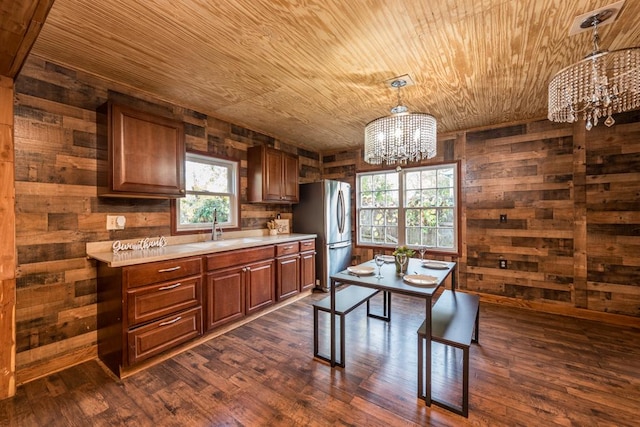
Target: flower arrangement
x,y
404,250
402,264
273,227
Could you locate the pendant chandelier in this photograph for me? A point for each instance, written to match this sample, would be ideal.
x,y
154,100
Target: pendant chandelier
x,y
602,84
401,136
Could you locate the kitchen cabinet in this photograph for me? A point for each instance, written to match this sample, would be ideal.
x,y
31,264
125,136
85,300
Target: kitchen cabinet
x,y
287,270
238,283
307,264
146,309
272,175
146,155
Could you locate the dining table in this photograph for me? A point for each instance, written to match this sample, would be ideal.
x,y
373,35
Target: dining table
x,y
409,284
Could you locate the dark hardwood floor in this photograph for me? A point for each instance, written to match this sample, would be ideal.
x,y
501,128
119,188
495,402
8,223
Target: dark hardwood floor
x,y
530,369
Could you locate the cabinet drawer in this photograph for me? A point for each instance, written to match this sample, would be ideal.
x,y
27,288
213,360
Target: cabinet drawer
x,y
244,256
154,338
307,245
145,274
152,302
287,248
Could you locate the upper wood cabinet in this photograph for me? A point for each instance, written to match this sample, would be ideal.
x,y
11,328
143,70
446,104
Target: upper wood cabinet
x,y
146,154
272,176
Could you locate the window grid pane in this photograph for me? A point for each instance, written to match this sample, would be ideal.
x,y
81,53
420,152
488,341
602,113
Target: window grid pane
x,y
211,186
423,205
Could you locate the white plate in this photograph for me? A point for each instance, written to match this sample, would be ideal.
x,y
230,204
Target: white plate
x,y
360,270
388,259
420,280
435,265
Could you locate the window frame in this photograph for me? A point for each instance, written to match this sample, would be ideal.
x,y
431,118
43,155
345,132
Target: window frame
x,y
402,207
234,194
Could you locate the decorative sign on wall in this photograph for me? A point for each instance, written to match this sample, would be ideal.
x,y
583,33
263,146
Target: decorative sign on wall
x,y
142,244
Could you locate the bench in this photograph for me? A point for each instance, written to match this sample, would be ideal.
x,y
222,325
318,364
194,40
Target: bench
x,y
454,322
347,300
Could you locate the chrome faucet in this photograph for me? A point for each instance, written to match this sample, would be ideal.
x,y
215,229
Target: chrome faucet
x,y
216,230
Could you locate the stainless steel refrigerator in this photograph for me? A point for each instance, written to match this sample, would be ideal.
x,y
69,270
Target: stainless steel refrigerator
x,y
325,210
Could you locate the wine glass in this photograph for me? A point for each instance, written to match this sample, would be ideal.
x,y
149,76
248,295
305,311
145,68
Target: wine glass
x,y
402,260
422,250
379,259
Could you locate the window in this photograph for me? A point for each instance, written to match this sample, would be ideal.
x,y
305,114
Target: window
x,y
212,186
413,207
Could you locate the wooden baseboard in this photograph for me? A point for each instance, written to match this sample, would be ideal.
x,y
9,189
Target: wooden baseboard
x,y
58,364
581,313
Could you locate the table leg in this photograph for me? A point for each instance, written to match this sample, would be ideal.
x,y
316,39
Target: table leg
x,y
453,277
333,322
427,367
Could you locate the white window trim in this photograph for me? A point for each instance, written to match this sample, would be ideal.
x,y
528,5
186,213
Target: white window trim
x,y
234,194
401,208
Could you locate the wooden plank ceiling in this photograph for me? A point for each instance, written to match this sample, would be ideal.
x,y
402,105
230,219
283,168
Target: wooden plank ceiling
x,y
313,72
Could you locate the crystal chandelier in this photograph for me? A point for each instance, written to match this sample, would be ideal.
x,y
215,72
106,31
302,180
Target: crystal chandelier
x,y
401,136
602,84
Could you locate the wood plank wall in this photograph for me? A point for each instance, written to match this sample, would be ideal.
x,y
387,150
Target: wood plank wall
x,y
571,239
7,243
57,210
572,200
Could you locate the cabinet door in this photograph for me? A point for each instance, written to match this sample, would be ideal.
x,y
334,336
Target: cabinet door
x,y
290,175
224,297
288,276
272,184
260,285
307,270
146,154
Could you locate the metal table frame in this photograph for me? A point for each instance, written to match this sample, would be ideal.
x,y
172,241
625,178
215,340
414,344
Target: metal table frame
x,y
391,282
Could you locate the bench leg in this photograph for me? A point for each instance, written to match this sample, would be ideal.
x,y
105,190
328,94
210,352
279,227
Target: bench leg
x,y
465,382
420,367
476,329
315,331
342,350
316,339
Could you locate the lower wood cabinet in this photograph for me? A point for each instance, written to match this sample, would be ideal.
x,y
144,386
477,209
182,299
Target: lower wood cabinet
x,y
287,270
260,285
146,309
307,270
288,276
307,264
238,283
224,301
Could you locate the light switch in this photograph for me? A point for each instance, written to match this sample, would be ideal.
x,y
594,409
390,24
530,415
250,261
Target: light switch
x,y
116,222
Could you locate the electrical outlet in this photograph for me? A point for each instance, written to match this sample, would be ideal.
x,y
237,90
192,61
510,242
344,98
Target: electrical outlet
x,y
503,218
116,222
502,264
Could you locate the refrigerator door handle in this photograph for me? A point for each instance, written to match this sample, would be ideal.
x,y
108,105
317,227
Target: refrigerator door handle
x,y
341,213
339,245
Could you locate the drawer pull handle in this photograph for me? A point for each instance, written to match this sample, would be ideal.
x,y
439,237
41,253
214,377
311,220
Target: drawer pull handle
x,y
167,270
288,247
169,322
166,288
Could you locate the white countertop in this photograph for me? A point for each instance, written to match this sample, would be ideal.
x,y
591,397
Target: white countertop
x,y
182,247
